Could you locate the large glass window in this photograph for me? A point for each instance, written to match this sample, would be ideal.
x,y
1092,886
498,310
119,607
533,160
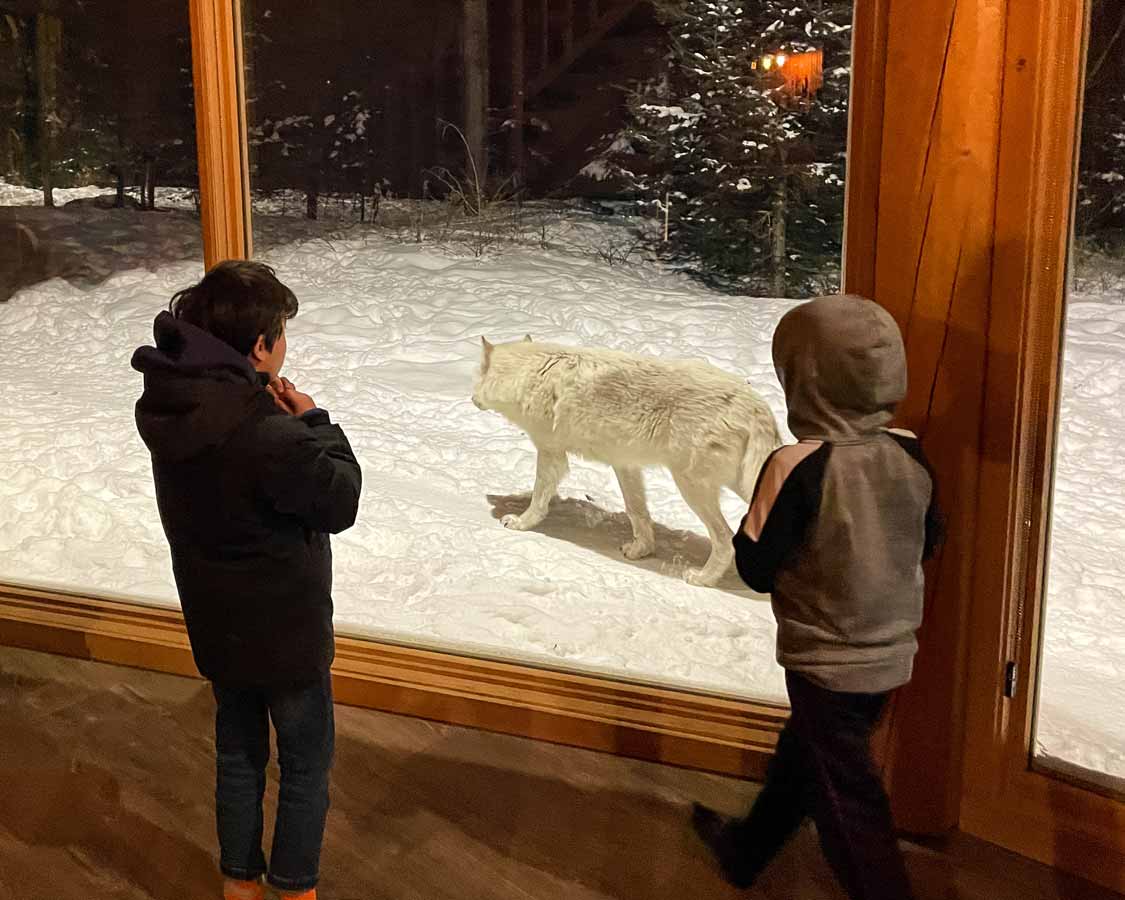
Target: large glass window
x,y
1081,713
98,225
659,179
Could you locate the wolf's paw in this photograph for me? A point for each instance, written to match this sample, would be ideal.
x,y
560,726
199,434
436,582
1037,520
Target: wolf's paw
x,y
514,522
702,578
637,549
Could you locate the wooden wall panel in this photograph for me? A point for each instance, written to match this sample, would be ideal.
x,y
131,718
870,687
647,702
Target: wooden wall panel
x,y
970,227
932,230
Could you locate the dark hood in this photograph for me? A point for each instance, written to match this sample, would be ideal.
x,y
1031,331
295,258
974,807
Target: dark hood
x,y
197,390
842,364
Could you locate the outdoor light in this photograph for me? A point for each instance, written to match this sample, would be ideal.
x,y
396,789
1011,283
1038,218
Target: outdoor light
x,y
781,57
767,62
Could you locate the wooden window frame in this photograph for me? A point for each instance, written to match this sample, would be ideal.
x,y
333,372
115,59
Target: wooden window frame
x,y
961,158
1007,798
976,113
218,72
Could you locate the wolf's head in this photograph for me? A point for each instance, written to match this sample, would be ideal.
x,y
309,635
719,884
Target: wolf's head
x,y
494,385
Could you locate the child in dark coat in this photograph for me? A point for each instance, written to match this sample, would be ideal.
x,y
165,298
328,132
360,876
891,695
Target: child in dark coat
x,y
251,478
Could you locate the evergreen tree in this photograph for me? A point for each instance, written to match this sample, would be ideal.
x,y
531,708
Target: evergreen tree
x,y
750,163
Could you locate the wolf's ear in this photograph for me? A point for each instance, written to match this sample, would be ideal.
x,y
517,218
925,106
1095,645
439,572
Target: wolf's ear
x,y
527,339
487,349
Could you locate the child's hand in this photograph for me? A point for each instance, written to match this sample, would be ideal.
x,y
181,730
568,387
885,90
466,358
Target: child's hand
x,y
276,389
289,398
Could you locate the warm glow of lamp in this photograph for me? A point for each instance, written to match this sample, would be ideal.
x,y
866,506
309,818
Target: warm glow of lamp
x,y
781,58
767,62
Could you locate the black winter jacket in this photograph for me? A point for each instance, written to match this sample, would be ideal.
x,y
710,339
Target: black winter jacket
x,y
248,496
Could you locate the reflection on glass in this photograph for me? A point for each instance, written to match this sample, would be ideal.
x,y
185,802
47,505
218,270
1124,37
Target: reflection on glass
x,y
662,179
98,222
1081,715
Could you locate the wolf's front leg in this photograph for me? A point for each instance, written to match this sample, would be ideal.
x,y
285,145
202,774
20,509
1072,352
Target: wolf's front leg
x,y
703,498
632,483
550,468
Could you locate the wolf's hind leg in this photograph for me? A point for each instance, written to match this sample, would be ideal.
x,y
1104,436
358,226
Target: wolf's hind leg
x,y
550,468
703,498
632,481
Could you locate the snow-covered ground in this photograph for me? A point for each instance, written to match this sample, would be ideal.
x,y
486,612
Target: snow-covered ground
x,y
1082,692
387,339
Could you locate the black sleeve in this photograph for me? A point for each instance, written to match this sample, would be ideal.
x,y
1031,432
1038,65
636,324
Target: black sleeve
x,y
310,472
786,523
935,521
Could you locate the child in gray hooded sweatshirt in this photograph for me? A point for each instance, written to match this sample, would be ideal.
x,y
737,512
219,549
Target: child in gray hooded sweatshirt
x,y
838,529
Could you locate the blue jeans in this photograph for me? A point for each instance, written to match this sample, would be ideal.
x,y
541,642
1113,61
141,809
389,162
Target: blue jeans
x,y
306,731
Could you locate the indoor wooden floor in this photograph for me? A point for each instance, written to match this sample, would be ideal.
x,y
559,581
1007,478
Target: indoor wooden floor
x,y
106,794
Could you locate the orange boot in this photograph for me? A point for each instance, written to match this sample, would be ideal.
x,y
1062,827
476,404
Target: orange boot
x,y
303,895
242,890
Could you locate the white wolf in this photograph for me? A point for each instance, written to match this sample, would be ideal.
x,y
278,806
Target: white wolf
x,y
709,428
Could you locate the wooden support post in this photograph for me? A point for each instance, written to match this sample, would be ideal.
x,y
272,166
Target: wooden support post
x,y
933,240
220,103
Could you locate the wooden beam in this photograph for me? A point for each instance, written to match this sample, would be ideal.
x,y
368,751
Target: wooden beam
x,y
865,146
677,727
921,242
220,112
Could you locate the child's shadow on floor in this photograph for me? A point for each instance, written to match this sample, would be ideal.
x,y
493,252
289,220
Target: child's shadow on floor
x,y
585,524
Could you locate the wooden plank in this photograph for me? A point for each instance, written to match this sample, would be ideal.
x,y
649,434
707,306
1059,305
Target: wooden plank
x,y
678,727
865,146
216,43
1047,816
932,223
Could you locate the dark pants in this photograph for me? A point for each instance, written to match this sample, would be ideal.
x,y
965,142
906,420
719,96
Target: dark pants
x,y
823,769
305,741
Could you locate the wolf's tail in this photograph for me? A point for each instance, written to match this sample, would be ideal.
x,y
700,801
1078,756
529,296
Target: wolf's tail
x,y
762,438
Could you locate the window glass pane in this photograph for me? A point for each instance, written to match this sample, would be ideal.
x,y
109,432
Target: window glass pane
x,y
1081,718
98,226
664,181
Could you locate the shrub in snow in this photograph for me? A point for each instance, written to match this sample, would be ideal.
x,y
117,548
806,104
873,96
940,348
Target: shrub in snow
x,y
751,170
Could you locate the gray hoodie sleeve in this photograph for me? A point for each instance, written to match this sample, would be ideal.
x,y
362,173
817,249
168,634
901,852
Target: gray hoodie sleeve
x,y
935,521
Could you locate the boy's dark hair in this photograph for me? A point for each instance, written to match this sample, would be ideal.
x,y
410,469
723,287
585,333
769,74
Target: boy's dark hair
x,y
237,301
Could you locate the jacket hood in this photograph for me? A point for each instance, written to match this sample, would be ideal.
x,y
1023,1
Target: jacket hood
x,y
197,390
842,364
